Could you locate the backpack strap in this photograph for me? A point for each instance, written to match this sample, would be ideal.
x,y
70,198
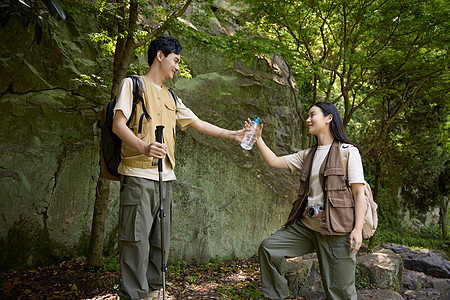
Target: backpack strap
x,y
310,166
325,167
175,98
347,182
138,89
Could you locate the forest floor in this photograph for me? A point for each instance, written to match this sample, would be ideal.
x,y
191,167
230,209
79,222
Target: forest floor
x,y
232,279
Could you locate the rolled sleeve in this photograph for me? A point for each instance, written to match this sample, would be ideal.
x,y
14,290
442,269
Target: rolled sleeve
x,y
355,167
295,161
185,116
125,97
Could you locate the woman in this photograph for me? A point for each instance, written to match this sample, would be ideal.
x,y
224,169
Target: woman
x,y
327,216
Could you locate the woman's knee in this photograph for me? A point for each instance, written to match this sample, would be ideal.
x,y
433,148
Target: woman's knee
x,y
265,245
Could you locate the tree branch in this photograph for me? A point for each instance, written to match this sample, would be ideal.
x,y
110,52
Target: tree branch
x,y
393,117
164,26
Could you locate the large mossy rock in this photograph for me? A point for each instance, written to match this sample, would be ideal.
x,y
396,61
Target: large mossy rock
x,y
226,199
49,159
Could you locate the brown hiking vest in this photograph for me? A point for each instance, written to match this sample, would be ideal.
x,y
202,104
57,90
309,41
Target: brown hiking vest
x,y
339,217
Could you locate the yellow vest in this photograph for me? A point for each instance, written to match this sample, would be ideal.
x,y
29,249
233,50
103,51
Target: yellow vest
x,y
162,110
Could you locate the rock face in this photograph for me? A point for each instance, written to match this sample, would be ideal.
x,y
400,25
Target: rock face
x,y
48,162
226,199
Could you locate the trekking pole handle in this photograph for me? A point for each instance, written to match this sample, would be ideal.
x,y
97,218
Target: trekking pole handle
x,y
159,135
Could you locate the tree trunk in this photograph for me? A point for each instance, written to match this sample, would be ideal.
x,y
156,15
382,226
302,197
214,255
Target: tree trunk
x,y
98,222
124,50
443,216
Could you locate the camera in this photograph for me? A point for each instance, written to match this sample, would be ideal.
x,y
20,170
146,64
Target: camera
x,y
313,211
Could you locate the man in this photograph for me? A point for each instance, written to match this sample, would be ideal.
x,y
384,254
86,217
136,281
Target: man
x,y
139,224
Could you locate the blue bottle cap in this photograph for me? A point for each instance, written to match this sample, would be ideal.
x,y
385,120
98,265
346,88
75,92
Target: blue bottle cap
x,y
256,120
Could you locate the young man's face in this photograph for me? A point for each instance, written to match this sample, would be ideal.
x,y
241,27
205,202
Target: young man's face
x,y
169,64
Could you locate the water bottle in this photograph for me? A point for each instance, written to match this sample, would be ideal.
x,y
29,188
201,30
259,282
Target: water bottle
x,y
250,136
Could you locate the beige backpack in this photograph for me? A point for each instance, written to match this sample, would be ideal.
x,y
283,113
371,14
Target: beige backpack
x,y
371,217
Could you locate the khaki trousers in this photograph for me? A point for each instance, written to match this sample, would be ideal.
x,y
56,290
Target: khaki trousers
x,y
140,235
337,264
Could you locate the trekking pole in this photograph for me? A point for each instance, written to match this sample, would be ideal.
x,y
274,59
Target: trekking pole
x,y
158,134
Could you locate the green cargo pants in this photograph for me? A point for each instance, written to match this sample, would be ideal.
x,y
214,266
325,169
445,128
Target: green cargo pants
x,y
140,236
337,264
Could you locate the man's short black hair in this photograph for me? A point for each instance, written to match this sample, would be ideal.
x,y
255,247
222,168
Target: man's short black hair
x,y
166,44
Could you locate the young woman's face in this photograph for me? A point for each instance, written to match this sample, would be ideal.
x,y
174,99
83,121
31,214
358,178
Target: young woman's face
x,y
318,123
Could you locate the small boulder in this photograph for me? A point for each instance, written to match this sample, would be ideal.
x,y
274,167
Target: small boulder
x,y
384,268
428,294
303,276
378,295
430,262
414,281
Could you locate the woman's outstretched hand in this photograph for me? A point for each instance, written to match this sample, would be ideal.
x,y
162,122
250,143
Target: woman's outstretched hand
x,y
248,127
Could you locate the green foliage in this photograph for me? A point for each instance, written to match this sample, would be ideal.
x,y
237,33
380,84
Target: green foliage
x,y
177,266
339,45
424,238
110,264
411,154
243,290
185,71
108,43
363,281
90,80
383,63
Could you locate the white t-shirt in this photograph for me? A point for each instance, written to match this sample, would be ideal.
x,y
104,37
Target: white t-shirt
x,y
184,116
351,160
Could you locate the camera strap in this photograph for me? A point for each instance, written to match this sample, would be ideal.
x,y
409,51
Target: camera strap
x,y
324,168
310,166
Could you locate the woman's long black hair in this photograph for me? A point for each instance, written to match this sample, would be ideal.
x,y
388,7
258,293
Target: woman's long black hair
x,y
336,126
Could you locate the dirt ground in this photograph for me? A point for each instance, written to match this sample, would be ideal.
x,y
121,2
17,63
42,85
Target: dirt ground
x,y
236,279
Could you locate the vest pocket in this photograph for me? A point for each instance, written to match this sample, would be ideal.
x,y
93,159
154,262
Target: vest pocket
x,y
130,214
335,183
334,179
171,107
341,215
144,130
